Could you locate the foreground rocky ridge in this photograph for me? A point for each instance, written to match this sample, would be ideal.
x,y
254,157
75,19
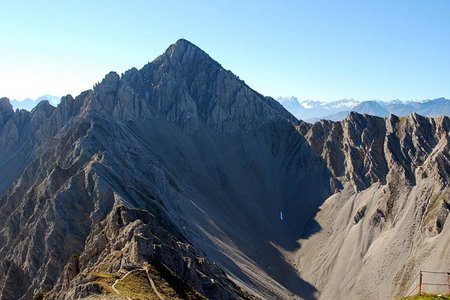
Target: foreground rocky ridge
x,y
180,166
364,149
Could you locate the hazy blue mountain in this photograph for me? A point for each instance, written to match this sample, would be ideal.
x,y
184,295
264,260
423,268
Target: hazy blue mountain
x,y
293,106
309,109
367,107
29,104
429,108
371,108
313,111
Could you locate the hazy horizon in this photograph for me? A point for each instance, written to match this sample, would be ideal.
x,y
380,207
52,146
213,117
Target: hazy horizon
x,y
274,97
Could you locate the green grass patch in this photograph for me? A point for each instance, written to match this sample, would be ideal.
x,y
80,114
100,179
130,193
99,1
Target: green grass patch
x,y
39,296
103,280
136,286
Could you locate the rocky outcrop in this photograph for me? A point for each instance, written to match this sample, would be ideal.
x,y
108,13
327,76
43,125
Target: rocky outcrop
x,y
128,239
186,86
6,111
21,133
363,149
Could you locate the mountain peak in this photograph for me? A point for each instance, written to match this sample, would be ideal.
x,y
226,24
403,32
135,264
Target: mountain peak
x,y
43,105
5,104
184,42
6,111
183,52
186,86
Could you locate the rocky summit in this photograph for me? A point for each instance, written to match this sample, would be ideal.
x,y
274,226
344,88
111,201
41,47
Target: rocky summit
x,y
178,181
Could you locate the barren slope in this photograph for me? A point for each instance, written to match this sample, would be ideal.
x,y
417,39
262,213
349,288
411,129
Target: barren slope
x,y
388,221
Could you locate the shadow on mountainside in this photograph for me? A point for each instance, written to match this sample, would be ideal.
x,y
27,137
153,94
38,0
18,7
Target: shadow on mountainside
x,y
232,189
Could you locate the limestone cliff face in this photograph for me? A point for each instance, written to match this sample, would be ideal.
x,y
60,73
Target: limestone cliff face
x,y
21,133
363,149
387,219
6,111
186,86
181,173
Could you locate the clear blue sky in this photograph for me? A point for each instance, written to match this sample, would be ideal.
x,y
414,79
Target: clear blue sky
x,y
319,50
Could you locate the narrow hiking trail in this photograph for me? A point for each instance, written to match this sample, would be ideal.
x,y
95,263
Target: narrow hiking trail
x,y
150,280
152,283
117,281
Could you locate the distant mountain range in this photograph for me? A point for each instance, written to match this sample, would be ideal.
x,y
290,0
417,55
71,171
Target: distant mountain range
x,y
312,111
29,104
